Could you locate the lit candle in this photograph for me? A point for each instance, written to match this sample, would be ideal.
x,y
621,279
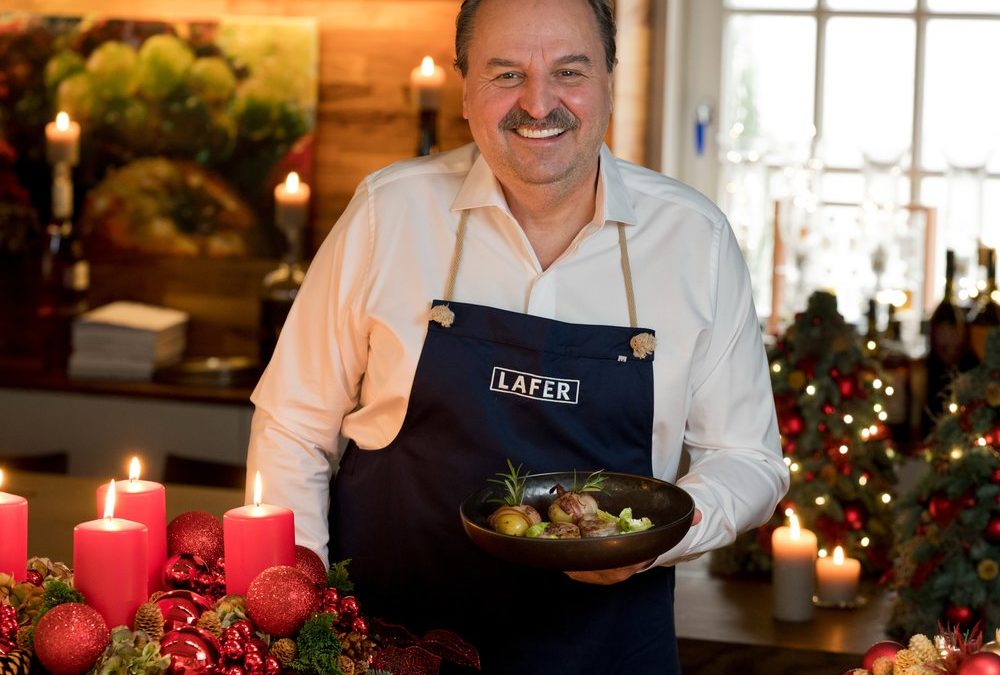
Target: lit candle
x,y
426,82
291,203
111,564
793,551
837,578
62,140
144,502
255,537
13,534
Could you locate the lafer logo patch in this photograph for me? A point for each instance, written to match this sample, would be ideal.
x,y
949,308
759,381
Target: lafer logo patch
x,y
529,385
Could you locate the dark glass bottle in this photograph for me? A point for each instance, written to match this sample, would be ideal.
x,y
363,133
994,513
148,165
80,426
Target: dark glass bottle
x,y
985,313
278,291
946,354
64,276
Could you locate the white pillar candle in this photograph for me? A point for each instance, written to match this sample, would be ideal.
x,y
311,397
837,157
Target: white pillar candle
x,y
62,140
837,578
794,553
291,203
426,82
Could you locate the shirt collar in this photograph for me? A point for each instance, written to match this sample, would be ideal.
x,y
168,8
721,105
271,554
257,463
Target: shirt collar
x,y
614,204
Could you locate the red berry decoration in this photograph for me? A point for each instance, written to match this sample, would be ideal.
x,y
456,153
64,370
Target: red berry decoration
x,y
69,638
980,663
329,600
311,565
195,532
359,625
280,599
886,648
33,577
993,529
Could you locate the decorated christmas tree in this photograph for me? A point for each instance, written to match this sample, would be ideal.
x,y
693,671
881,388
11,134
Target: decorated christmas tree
x,y
830,398
947,555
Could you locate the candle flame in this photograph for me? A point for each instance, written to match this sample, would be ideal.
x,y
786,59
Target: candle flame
x,y
793,525
109,500
838,556
62,121
258,489
427,66
292,182
133,470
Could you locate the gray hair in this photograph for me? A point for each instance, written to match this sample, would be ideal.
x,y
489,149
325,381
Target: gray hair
x,y
603,11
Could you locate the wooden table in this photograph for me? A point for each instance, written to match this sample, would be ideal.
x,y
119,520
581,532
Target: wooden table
x,y
724,625
56,504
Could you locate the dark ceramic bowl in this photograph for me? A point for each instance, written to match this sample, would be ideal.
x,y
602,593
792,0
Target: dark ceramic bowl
x,y
668,506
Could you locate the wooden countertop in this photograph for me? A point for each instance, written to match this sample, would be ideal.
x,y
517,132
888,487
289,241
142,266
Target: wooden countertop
x,y
56,504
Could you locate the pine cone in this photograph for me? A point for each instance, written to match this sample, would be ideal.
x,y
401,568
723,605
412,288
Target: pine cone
x,y
883,666
26,639
924,650
284,650
923,669
15,662
211,622
346,665
904,660
357,647
149,619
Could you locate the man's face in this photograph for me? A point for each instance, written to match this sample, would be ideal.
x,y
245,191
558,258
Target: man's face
x,y
538,93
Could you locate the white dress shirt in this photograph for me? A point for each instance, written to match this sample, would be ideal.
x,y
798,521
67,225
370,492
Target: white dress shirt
x,y
346,358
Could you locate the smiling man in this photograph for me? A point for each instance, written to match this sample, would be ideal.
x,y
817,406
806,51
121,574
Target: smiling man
x,y
530,298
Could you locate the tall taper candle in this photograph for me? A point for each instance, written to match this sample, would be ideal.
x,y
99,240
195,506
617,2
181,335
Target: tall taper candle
x,y
145,502
13,534
794,571
111,564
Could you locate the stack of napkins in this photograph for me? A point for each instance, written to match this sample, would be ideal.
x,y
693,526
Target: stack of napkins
x,y
126,341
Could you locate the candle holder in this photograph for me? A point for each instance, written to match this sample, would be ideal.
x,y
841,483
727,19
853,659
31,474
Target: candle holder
x,y
428,143
857,602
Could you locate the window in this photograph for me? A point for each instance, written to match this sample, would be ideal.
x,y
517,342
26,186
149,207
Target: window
x,y
849,113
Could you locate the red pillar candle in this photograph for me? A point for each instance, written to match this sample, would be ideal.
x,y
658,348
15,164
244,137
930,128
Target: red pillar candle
x,y
111,564
255,537
145,502
13,534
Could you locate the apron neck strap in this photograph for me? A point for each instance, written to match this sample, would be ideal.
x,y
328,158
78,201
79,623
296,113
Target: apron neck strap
x,y
456,258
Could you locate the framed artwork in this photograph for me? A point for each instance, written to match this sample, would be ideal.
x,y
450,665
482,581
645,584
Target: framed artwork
x,y
186,128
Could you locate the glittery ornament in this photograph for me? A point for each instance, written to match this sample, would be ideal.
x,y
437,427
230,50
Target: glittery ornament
x,y
280,599
271,665
190,647
182,608
69,638
359,626
8,628
33,577
311,565
980,663
329,600
195,532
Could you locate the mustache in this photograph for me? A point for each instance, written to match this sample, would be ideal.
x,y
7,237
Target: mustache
x,y
558,117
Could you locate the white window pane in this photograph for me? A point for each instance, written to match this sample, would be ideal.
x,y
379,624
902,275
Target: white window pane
x,y
843,188
961,125
768,84
970,6
868,93
771,4
873,5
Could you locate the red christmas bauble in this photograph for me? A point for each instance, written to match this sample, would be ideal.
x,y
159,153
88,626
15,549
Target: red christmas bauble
x,y
993,529
310,564
190,649
959,615
69,638
827,409
181,608
846,386
794,425
980,663
879,649
280,599
195,532
996,475
183,570
942,509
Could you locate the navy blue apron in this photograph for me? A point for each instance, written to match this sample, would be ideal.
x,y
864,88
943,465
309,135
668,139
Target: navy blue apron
x,y
395,511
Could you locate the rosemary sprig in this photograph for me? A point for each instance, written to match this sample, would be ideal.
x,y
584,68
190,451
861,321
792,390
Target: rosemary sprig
x,y
513,483
594,482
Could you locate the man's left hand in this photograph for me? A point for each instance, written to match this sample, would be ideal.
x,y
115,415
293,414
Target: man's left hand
x,y
618,574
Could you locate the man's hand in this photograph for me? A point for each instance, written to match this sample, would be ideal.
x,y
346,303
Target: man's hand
x,y
618,574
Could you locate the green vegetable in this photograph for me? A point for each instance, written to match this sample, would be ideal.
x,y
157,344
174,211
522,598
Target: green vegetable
x,y
606,517
626,523
318,647
536,530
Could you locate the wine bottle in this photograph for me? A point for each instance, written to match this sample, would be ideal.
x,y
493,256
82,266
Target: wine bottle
x,y
65,275
985,313
278,291
946,352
